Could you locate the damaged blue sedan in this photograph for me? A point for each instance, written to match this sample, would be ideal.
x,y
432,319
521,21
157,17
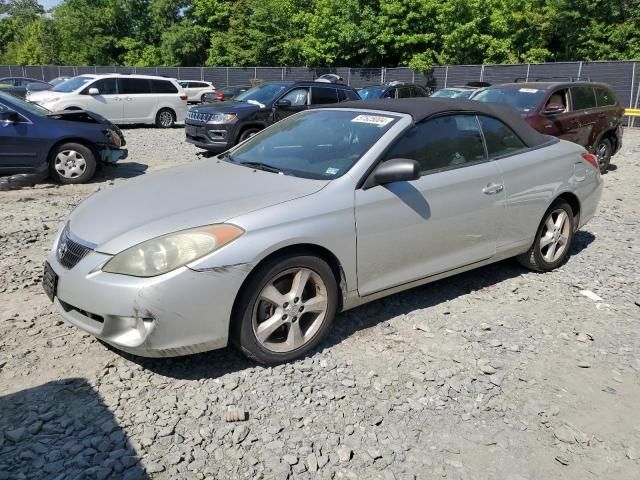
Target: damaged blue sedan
x,y
68,146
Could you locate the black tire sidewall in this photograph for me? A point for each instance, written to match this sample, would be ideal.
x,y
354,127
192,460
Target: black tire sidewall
x,y
247,133
242,328
89,158
537,253
173,117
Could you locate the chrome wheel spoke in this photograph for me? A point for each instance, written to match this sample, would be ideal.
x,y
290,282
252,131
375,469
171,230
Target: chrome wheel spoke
x,y
295,338
272,295
299,282
549,223
266,328
560,221
317,304
546,240
551,252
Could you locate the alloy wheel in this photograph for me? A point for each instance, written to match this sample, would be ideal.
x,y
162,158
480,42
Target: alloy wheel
x,y
555,236
602,153
290,310
166,119
70,164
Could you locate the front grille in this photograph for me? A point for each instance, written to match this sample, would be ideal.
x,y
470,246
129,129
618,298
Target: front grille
x,y
198,117
70,252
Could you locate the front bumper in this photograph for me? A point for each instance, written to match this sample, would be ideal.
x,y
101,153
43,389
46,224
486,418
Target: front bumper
x,y
113,155
215,138
178,313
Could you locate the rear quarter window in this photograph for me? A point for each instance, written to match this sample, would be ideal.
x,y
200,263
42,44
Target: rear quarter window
x,y
134,86
604,98
323,95
163,86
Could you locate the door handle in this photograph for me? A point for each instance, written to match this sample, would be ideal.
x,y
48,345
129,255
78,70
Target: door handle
x,y
493,188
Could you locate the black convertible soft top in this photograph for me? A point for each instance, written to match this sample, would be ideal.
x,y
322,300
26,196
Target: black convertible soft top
x,y
423,108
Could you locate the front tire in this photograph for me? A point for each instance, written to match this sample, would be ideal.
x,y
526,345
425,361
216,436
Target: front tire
x,y
72,163
553,239
604,152
165,118
285,309
248,133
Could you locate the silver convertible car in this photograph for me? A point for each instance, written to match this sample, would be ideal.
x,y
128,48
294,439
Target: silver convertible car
x,y
319,213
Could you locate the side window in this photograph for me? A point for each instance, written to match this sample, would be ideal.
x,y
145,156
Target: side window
x,y
351,95
583,98
391,93
106,86
404,92
558,98
297,97
133,86
417,91
500,139
163,86
604,98
441,143
184,84
323,95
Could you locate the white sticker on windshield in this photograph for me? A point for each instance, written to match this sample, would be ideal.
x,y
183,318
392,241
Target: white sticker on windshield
x,y
528,90
373,119
332,171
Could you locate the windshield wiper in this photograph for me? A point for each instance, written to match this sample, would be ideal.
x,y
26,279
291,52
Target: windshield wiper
x,y
262,166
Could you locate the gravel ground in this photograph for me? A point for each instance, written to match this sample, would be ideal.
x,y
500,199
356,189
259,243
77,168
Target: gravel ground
x,y
498,373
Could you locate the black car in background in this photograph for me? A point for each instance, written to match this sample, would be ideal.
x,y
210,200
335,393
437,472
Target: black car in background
x,y
393,90
226,93
35,142
218,127
19,86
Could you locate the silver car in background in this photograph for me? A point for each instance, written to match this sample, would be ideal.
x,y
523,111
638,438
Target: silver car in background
x,y
319,213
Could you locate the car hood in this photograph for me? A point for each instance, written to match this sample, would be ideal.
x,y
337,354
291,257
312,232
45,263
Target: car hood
x,y
203,193
230,106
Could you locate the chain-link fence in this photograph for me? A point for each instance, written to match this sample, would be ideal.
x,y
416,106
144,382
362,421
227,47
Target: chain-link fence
x,y
624,77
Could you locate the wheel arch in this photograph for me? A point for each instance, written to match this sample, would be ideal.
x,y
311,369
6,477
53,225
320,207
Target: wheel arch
x,y
243,128
298,249
610,134
574,202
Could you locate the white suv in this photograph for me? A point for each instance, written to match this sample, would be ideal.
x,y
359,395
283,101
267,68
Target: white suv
x,y
119,98
196,90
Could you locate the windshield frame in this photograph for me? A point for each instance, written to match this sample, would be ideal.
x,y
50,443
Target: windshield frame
x,y
390,129
22,106
57,88
538,96
247,93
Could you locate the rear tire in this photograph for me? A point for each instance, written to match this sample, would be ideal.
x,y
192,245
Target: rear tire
x,y
285,309
165,118
72,163
553,239
604,152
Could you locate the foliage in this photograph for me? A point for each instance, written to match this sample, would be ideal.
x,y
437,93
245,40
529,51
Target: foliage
x,y
417,33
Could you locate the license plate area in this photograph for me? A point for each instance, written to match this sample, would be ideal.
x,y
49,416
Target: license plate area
x,y
49,281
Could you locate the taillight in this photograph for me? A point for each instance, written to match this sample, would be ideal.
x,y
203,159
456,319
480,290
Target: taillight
x,y
184,98
220,95
592,159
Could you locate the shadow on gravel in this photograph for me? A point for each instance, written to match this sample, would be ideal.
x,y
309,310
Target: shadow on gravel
x,y
62,430
120,170
217,363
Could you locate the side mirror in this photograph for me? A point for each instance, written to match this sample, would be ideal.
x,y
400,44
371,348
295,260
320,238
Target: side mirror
x,y
94,91
283,103
395,170
553,109
9,117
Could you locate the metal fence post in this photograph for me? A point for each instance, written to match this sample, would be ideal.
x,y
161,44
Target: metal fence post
x,y
580,70
227,76
282,69
633,81
528,68
482,73
446,76
349,76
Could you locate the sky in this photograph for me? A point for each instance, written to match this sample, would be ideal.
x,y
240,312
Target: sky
x,y
47,4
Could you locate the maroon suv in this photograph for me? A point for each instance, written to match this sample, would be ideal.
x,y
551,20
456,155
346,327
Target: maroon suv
x,y
586,113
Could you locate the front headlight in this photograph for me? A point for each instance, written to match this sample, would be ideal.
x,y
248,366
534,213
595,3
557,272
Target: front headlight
x,y
114,137
48,100
218,118
168,252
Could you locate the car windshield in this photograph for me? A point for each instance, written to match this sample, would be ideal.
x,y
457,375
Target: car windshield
x,y
264,94
316,144
452,93
371,92
71,85
11,102
523,99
